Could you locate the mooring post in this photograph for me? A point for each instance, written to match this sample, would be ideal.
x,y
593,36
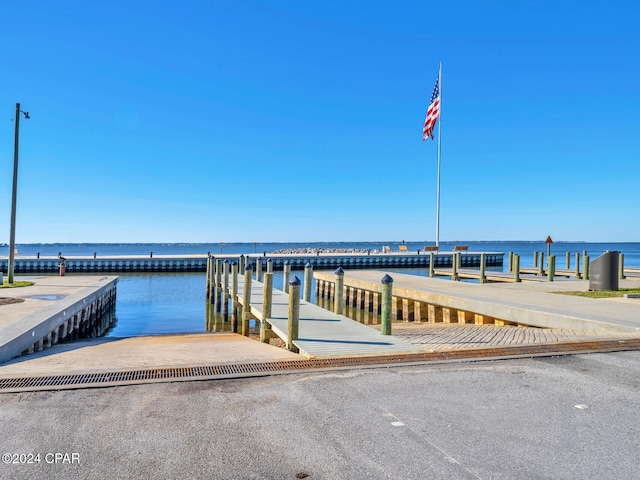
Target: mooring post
x,y
551,270
241,263
259,269
431,266
246,307
483,261
294,314
218,285
585,267
541,263
621,266
387,295
225,290
516,268
338,304
454,267
308,277
535,259
269,266
286,273
234,297
577,275
510,265
568,255
267,301
207,276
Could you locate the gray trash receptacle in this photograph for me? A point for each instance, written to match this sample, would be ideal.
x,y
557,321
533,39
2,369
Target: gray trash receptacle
x,y
603,272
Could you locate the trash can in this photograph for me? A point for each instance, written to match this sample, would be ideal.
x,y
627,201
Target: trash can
x,y
603,272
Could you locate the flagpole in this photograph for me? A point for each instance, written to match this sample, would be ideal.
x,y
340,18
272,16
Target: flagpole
x,y
438,185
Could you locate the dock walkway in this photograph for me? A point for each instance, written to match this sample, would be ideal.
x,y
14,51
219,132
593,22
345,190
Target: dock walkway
x,y
323,333
534,304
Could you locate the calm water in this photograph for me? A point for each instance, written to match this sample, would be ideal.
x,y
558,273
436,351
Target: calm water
x,y
152,303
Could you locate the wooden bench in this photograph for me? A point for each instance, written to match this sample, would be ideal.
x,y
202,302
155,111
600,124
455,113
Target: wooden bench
x,y
430,248
403,248
461,248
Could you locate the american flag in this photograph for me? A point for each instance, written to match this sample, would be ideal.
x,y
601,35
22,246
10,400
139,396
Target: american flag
x,y
433,113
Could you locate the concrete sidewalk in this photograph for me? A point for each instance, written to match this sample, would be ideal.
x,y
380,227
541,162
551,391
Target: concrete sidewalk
x,y
535,304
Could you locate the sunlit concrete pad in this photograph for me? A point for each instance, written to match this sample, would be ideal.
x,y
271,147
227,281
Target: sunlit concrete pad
x,y
126,354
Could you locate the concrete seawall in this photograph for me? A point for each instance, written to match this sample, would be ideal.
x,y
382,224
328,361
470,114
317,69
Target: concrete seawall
x,y
198,263
54,310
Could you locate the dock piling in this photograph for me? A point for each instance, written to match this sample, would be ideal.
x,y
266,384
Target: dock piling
x,y
387,295
338,305
225,291
551,268
246,303
259,269
294,314
267,296
308,276
286,273
234,297
516,268
483,261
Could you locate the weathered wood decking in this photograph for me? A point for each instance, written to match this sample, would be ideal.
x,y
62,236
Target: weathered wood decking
x,y
321,332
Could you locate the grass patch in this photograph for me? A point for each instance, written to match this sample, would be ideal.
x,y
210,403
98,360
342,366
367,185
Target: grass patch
x,y
603,293
21,283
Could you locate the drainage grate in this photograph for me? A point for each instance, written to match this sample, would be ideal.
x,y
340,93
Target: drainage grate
x,y
58,382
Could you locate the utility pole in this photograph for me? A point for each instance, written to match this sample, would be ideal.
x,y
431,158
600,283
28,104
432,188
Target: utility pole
x,y
14,195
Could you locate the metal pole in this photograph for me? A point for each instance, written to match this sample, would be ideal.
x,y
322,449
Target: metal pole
x,y
438,186
14,196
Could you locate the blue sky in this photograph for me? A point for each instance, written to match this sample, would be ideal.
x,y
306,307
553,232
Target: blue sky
x,y
217,121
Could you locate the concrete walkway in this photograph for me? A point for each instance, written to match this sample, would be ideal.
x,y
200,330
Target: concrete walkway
x,y
536,304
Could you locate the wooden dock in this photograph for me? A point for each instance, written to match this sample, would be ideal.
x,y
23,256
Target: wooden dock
x,y
321,333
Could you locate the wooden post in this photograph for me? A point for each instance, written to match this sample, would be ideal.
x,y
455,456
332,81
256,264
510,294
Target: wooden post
x,y
516,268
387,294
308,276
568,255
234,297
338,304
541,264
621,266
431,266
551,270
267,301
585,267
246,300
225,291
269,266
286,273
535,259
207,276
458,257
259,269
483,260
294,314
577,274
218,285
241,263
454,267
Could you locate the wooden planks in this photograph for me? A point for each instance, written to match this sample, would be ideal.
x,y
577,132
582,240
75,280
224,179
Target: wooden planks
x,y
321,332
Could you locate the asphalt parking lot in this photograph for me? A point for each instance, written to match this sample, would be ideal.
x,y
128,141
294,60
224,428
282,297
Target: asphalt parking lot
x,y
570,417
